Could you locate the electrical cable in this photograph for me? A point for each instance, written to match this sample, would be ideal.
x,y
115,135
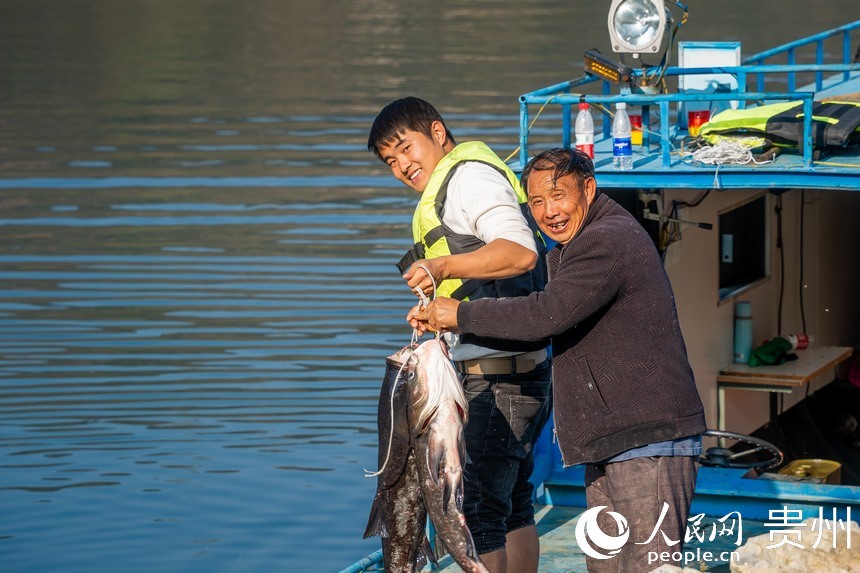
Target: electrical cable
x,y
599,107
800,294
694,203
531,125
664,62
779,246
670,231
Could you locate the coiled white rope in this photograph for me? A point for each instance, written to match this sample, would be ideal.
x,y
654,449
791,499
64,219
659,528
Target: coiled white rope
x,y
424,302
725,151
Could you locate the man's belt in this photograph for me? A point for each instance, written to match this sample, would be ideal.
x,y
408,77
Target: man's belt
x,y
517,364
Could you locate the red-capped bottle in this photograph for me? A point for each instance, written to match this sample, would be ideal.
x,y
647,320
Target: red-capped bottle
x,y
584,130
800,340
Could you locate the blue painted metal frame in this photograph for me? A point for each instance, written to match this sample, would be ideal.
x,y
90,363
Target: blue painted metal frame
x,y
790,49
365,564
663,101
658,170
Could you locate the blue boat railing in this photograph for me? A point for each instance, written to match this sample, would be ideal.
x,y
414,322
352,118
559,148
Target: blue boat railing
x,y
790,50
365,563
663,102
567,94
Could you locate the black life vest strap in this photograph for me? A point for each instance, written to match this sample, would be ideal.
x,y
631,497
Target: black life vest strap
x,y
416,253
468,287
434,235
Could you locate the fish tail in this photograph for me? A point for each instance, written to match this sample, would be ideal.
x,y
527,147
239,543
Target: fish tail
x,y
427,553
375,525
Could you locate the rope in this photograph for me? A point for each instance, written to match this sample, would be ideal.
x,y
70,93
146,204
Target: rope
x,y
725,151
367,472
834,164
424,301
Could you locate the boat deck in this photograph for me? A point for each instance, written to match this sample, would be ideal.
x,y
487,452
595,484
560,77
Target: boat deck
x,y
560,553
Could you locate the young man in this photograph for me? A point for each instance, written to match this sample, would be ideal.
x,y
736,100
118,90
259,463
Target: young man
x,y
473,239
625,400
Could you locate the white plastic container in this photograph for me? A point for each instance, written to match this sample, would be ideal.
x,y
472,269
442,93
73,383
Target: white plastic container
x,y
584,130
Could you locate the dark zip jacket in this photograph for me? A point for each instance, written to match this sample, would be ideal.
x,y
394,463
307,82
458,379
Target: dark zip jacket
x,y
621,378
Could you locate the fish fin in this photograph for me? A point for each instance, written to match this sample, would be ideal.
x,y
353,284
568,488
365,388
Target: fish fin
x,y
375,526
471,549
446,493
427,554
421,421
452,490
435,456
461,449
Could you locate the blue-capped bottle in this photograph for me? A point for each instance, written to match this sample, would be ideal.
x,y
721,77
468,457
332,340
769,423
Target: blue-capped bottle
x,y
622,149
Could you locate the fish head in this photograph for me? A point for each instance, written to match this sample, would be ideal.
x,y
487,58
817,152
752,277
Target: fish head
x,y
432,380
403,354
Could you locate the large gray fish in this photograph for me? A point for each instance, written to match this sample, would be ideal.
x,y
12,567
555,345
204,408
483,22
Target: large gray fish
x,y
439,411
421,455
398,514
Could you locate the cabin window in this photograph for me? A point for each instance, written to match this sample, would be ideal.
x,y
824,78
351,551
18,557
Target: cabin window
x,y
742,247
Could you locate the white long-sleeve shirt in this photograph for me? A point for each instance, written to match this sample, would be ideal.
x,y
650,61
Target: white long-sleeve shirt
x,y
482,203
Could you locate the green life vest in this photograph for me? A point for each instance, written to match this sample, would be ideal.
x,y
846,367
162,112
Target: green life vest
x,y
834,124
435,239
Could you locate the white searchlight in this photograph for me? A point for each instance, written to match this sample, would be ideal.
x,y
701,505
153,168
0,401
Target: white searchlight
x,y
636,26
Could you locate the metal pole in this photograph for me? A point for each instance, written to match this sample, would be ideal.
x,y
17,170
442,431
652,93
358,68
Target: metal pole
x,y
524,132
374,558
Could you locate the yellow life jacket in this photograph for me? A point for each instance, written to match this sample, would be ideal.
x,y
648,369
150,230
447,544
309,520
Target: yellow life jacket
x,y
435,239
834,124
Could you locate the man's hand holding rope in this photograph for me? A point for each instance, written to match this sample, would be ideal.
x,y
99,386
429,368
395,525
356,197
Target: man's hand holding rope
x,y
424,275
440,315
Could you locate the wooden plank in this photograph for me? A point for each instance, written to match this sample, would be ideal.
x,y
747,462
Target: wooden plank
x,y
810,363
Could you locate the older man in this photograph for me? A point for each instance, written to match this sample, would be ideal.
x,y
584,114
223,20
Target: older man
x,y
625,399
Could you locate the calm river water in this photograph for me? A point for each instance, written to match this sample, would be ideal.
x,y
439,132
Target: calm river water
x,y
197,281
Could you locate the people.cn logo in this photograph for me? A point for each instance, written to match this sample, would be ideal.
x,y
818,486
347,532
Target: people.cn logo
x,y
590,536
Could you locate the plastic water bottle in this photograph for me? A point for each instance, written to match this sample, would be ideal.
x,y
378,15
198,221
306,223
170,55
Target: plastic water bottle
x,y
584,130
799,341
622,150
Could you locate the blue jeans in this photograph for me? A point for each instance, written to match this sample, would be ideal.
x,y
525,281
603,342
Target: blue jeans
x,y
506,416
